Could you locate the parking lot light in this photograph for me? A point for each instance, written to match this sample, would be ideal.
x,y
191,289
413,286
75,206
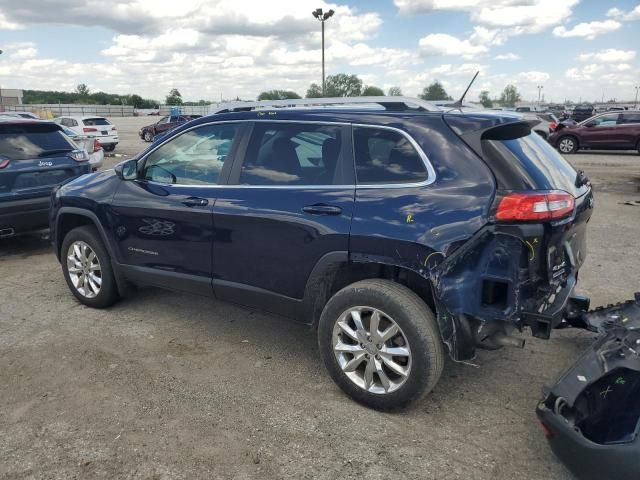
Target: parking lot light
x,y
323,17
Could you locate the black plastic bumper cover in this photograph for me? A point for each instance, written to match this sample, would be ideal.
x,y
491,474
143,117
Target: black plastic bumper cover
x,y
592,414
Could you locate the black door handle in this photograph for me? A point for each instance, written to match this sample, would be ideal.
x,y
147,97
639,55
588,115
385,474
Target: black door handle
x,y
195,202
322,209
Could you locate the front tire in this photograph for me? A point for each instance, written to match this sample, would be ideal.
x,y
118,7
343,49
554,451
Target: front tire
x,y
86,266
381,344
148,136
567,144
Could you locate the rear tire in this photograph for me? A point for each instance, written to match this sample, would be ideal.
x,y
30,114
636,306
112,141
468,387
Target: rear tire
x,y
86,266
567,144
109,148
376,371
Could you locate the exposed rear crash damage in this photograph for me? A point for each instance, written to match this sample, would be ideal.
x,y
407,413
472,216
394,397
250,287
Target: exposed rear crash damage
x,y
592,414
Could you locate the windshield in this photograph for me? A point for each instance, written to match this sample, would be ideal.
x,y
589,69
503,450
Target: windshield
x,y
22,142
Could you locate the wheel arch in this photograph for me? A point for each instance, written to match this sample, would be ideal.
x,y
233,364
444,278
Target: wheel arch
x,y
68,218
336,270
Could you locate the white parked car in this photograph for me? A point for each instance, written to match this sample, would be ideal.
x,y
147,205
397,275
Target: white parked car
x,y
98,127
89,144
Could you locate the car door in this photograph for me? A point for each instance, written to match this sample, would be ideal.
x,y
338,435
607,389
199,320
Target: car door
x,y
601,132
162,221
289,202
629,129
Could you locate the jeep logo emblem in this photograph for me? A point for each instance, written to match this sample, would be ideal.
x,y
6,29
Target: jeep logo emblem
x,y
45,164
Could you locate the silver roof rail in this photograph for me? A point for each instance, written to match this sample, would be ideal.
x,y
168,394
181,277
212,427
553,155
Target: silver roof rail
x,y
396,104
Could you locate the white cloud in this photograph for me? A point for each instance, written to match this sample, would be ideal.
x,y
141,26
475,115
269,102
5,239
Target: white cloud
x,y
507,56
624,16
443,44
590,30
608,55
533,77
20,50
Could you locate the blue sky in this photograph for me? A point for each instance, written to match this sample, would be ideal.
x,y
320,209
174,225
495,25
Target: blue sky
x,y
574,49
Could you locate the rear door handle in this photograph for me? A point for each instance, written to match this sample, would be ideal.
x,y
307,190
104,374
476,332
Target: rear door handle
x,y
195,202
322,209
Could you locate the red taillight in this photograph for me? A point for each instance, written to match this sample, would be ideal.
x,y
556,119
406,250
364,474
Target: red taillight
x,y
525,206
89,129
114,128
4,162
547,431
553,126
96,145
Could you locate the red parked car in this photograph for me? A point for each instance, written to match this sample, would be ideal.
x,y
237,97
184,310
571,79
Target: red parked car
x,y
606,131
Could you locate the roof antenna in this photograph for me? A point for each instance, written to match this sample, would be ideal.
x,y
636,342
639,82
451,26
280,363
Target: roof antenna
x,y
458,104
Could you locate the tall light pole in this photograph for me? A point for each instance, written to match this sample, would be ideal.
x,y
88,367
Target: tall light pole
x,y
539,87
635,103
1,91
322,17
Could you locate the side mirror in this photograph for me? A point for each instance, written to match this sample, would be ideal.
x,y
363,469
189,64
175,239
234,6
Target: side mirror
x,y
127,170
590,124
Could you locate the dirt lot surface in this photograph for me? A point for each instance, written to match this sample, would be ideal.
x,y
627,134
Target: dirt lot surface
x,y
164,385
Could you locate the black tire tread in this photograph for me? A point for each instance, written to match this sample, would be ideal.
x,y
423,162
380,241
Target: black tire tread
x,y
427,331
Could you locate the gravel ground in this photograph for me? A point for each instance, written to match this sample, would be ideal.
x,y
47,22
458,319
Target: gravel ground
x,y
164,385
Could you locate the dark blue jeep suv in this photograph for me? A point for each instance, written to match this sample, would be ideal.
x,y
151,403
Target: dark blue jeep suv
x,y
399,232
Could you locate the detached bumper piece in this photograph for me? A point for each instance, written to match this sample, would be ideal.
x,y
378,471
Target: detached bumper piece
x,y
592,414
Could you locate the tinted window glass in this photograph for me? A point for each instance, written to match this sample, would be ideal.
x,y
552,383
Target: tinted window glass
x,y
194,157
21,142
293,154
386,156
605,120
95,121
630,118
528,163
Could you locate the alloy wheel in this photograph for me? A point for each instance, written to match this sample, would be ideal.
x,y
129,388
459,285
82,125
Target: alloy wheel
x,y
371,349
566,145
84,269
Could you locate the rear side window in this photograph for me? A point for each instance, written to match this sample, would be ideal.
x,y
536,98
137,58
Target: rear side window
x,y
294,154
92,122
521,160
386,157
626,118
22,142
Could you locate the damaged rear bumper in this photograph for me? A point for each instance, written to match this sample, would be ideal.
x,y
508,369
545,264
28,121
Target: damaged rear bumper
x,y
592,414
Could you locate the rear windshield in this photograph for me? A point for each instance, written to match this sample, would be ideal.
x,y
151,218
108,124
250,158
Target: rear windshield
x,y
91,122
528,162
22,142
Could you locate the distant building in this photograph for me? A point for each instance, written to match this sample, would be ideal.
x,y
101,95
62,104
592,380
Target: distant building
x,y
10,96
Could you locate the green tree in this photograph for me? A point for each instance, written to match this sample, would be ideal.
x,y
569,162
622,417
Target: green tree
x,y
314,91
82,89
484,99
395,92
174,97
372,91
435,91
343,85
135,100
277,95
510,96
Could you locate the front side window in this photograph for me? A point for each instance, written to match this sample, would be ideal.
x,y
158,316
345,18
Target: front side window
x,y
386,157
293,154
605,120
195,157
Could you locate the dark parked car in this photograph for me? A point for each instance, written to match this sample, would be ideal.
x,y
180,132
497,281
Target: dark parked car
x,y
582,112
398,234
34,157
609,131
162,126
